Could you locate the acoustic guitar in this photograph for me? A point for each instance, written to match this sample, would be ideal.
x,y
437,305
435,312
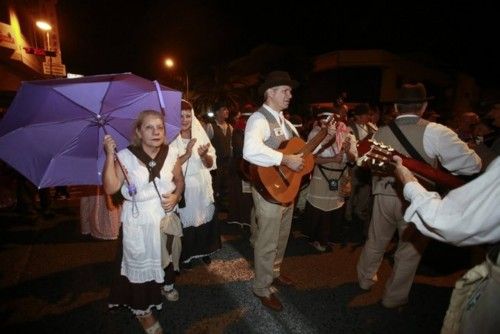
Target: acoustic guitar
x,y
378,157
280,184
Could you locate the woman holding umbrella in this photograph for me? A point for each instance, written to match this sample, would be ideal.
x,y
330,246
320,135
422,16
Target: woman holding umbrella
x,y
152,183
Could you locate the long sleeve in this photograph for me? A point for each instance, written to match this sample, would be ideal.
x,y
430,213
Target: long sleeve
x,y
468,215
453,153
254,149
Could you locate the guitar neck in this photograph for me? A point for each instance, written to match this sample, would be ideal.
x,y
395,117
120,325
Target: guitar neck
x,y
431,173
318,138
378,156
314,142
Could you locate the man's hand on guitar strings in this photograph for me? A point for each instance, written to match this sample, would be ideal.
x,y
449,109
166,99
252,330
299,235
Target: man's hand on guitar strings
x,y
402,173
293,161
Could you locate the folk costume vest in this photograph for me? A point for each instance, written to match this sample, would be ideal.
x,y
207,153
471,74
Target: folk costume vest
x,y
277,135
413,128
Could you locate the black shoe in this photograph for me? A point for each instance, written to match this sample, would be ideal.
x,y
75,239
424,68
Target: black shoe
x,y
207,260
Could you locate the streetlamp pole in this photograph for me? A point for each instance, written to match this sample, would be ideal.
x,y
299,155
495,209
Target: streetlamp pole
x,y
42,25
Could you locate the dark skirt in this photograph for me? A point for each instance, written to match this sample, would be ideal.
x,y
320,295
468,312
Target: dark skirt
x,y
139,297
200,241
324,226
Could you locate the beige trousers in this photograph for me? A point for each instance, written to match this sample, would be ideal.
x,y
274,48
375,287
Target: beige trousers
x,y
386,219
270,236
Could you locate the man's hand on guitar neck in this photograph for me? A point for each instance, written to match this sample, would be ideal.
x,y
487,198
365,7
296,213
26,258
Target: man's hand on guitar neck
x,y
402,173
293,161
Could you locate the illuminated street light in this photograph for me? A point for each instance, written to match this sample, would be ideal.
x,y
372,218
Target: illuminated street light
x,y
169,63
42,25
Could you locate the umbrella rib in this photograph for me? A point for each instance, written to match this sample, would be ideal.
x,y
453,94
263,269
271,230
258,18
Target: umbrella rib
x,y
72,101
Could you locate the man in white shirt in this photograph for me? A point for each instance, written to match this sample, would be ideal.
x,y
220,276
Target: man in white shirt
x,y
433,142
265,130
468,215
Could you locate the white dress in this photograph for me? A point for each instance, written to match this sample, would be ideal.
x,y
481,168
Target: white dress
x,y
141,217
198,192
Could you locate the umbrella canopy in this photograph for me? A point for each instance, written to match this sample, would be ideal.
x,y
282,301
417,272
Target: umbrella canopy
x,y
54,129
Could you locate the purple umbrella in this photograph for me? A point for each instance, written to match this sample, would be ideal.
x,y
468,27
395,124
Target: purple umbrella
x,y
53,131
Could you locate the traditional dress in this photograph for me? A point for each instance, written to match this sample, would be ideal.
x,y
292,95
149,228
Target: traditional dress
x,y
201,235
141,268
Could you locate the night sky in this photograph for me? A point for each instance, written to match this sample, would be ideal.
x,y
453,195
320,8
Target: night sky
x,y
114,36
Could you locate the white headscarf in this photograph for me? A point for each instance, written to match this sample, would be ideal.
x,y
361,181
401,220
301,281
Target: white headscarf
x,y
198,132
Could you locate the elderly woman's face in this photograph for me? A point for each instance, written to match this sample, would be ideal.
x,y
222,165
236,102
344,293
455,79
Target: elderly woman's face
x,y
186,119
152,131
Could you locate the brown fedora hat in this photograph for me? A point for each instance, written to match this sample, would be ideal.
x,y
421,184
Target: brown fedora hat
x,y
409,94
277,78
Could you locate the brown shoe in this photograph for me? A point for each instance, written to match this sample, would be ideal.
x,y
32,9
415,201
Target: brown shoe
x,y
271,302
283,281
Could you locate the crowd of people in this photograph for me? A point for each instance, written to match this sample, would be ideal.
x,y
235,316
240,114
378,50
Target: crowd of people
x,y
172,193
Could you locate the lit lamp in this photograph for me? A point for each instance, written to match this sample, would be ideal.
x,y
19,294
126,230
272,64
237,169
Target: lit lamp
x,y
42,25
169,63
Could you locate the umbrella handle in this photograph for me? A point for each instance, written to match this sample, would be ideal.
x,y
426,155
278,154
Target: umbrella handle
x,y
132,190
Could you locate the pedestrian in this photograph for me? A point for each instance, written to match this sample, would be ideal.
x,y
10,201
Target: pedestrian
x,y
99,214
220,133
152,187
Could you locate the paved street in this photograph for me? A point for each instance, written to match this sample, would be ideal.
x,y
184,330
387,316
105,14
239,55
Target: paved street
x,y
55,280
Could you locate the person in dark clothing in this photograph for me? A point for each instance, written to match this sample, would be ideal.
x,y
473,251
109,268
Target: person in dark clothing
x,y
220,135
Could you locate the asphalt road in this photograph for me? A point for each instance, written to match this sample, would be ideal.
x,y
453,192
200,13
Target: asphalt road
x,y
53,279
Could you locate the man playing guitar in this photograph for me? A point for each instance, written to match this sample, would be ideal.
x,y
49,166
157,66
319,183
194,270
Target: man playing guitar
x,y
266,129
431,142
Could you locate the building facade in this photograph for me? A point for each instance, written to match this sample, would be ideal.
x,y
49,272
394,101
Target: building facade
x,y
26,51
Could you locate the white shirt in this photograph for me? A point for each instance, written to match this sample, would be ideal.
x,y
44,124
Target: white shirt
x,y
257,131
453,154
468,215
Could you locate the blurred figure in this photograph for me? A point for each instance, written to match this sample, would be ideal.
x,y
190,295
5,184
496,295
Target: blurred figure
x,y
61,192
240,194
359,205
464,125
99,216
493,114
221,137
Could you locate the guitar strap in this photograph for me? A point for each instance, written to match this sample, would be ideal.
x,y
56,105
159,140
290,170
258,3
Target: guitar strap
x,y
322,168
405,142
